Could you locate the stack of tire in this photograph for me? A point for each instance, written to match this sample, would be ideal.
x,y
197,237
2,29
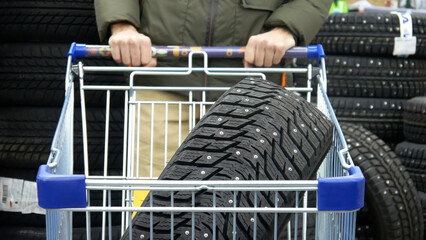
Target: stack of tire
x,y
392,208
368,88
368,85
412,151
36,36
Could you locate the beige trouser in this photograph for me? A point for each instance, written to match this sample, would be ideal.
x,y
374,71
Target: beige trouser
x,y
162,127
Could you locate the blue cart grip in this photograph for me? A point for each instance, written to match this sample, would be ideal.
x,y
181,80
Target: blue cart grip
x,y
342,193
77,50
60,191
81,50
311,52
316,52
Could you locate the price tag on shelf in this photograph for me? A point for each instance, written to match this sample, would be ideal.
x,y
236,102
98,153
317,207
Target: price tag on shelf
x,y
18,195
405,44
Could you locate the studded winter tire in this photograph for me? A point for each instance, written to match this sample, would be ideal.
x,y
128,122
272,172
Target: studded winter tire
x,y
367,33
255,131
33,74
58,21
392,203
382,116
26,137
415,120
422,196
373,77
413,156
39,233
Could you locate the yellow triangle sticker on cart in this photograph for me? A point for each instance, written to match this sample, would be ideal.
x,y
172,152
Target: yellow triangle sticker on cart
x,y
138,197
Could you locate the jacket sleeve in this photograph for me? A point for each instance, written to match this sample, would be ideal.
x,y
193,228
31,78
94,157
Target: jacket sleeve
x,y
304,18
110,11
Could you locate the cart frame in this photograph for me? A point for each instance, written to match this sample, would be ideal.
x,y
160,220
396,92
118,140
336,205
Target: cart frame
x,y
339,189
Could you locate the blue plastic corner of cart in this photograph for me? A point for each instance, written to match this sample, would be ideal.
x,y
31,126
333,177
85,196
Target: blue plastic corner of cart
x,y
77,50
60,191
342,193
316,52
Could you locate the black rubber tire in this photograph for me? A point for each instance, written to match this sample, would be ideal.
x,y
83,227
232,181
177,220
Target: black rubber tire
x,y
413,156
393,204
310,222
29,232
255,131
30,174
39,233
34,75
26,136
381,116
363,232
310,228
373,77
22,220
39,220
31,152
41,121
367,34
56,21
299,80
415,120
422,196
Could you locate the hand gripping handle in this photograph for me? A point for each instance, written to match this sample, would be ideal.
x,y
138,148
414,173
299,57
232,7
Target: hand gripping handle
x,y
78,50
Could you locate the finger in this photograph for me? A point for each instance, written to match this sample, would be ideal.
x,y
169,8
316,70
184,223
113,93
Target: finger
x,y
125,53
260,53
152,63
249,53
135,53
115,50
247,65
279,54
269,56
146,51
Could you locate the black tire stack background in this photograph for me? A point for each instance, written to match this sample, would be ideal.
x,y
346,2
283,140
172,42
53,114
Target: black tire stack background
x,y
366,83
369,87
36,36
412,151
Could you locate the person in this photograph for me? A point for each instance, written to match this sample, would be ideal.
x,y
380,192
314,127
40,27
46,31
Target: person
x,y
268,28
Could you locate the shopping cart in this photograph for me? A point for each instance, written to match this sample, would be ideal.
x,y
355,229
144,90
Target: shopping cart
x,y
338,191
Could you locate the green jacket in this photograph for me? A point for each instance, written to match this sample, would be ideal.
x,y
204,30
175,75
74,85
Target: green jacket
x,y
211,23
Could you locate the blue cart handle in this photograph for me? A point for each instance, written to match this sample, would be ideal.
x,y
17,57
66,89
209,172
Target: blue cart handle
x,y
60,191
78,50
342,193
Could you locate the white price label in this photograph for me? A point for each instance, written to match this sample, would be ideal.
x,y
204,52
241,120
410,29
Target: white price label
x,y
18,195
404,46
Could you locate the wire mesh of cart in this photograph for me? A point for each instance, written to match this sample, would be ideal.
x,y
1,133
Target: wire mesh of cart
x,y
324,208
